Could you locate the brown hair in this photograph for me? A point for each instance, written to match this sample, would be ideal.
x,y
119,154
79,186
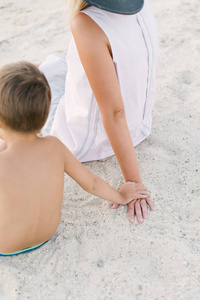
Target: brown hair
x,y
25,97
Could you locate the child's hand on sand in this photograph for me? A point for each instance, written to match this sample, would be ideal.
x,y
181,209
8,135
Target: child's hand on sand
x,y
132,191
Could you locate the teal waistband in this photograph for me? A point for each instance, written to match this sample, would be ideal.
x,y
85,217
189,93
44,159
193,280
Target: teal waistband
x,y
23,250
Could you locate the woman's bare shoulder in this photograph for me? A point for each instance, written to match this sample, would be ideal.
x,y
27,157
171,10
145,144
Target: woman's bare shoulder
x,y
81,21
84,27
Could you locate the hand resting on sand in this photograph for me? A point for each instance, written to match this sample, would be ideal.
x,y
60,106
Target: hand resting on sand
x,y
137,209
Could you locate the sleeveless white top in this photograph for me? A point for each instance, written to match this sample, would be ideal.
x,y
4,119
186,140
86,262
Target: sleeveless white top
x,y
77,121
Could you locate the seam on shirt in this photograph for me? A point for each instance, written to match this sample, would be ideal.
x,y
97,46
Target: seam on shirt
x,y
88,128
147,39
94,134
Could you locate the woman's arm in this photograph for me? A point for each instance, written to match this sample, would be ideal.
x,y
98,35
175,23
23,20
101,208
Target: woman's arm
x,y
96,57
94,52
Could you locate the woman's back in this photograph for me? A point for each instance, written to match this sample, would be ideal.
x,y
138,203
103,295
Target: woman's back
x,y
134,48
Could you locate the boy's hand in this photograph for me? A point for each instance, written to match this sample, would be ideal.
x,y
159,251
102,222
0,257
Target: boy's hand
x,y
132,191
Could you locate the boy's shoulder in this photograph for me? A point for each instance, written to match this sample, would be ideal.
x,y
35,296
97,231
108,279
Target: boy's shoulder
x,y
52,140
53,144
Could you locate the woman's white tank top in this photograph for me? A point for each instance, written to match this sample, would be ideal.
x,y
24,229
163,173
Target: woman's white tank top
x,y
135,50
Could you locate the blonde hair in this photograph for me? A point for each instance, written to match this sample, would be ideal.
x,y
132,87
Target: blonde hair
x,y
73,7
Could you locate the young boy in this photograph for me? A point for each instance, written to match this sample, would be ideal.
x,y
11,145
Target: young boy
x,y
32,168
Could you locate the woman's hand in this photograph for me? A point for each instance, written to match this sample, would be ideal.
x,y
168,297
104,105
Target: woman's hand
x,y
132,191
138,208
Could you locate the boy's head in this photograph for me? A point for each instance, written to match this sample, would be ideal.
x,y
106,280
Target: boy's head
x,y
25,97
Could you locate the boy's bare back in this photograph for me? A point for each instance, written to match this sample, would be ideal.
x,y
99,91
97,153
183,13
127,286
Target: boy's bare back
x,y
31,192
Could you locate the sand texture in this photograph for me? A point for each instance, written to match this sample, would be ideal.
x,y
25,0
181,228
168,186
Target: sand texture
x,y
96,253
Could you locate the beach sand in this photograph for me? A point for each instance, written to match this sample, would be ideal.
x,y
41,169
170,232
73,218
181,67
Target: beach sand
x,y
96,253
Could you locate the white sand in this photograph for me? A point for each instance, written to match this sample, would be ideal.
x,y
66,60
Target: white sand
x,y
96,253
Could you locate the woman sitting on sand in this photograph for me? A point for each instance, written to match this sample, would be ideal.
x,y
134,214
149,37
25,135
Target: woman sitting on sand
x,y
103,95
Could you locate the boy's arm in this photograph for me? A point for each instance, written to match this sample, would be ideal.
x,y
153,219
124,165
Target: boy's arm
x,y
97,186
2,145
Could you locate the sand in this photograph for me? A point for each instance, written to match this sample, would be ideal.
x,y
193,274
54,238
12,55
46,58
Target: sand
x,y
96,253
